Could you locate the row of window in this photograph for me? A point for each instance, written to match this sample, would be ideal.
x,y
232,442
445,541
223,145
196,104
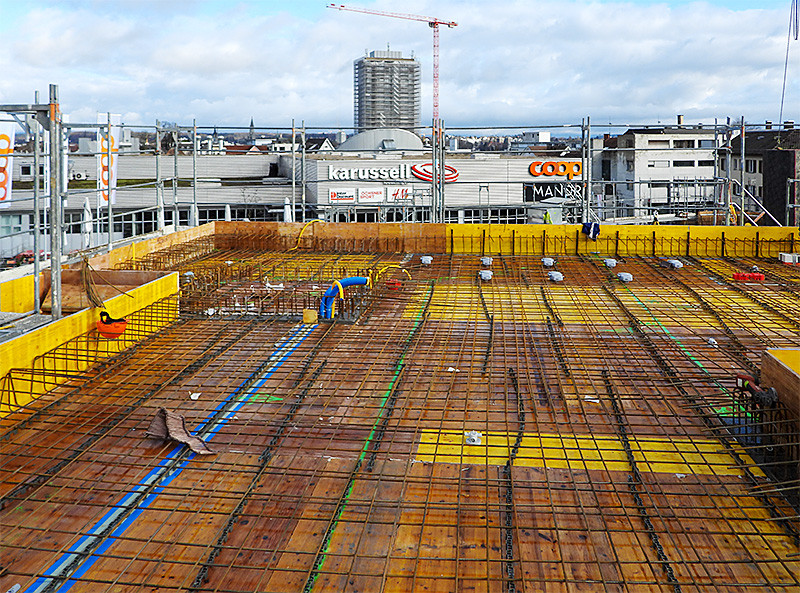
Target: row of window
x,y
709,143
666,164
488,215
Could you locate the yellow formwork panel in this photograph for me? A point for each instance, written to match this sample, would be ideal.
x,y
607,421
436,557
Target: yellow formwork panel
x,y
16,296
462,302
586,305
663,307
623,240
684,456
789,357
22,352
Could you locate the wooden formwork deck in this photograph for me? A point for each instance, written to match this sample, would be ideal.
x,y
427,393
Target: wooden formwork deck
x,y
341,457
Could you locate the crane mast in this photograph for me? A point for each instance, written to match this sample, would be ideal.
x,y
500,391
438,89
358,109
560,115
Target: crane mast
x,y
433,23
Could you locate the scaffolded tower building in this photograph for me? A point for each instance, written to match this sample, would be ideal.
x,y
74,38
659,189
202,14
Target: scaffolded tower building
x,y
386,91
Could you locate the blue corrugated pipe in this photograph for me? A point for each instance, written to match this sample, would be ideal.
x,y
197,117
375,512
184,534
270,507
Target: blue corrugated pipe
x,y
326,304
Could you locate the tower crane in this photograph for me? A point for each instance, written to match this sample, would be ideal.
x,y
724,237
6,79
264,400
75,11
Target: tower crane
x,y
433,23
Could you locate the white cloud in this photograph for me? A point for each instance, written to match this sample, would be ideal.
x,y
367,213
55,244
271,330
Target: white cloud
x,y
519,62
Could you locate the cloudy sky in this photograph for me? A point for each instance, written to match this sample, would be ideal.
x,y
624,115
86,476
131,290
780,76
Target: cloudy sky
x,y
509,62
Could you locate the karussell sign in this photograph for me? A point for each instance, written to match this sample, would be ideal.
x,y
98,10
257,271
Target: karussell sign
x,y
402,171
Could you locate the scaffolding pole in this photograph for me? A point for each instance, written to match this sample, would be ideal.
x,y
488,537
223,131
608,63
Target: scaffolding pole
x,y
55,203
303,170
34,125
195,212
159,183
109,185
290,217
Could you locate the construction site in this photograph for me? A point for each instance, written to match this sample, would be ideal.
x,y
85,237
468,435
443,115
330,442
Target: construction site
x,y
409,407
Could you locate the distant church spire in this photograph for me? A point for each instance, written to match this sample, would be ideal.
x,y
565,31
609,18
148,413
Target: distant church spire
x,y
252,132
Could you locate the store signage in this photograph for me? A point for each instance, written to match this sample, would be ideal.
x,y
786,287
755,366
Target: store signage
x,y
398,172
342,196
401,171
398,193
371,196
534,192
107,158
568,169
6,161
425,172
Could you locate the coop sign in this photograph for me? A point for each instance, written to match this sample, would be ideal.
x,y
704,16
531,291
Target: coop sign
x,y
401,171
568,169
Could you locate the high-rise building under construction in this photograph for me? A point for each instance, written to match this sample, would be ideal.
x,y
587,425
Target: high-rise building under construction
x,y
386,91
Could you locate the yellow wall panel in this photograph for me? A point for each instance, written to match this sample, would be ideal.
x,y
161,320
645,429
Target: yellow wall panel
x,y
24,351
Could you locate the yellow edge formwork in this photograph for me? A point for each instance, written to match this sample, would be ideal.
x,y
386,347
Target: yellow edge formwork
x,y
16,295
21,352
621,240
139,249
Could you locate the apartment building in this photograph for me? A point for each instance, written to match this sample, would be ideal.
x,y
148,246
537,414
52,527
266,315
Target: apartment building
x,y
661,170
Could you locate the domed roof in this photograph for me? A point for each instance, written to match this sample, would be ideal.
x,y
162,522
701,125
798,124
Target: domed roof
x,y
382,139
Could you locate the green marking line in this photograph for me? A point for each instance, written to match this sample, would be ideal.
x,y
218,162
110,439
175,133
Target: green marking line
x,y
725,410
265,397
349,490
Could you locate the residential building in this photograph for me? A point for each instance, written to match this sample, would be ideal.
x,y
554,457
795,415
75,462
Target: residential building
x,y
387,91
657,170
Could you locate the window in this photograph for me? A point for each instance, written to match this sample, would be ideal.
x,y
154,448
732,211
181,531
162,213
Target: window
x,y
211,214
658,164
72,222
683,163
705,144
735,164
760,166
658,143
705,163
750,165
683,144
628,165
10,223
26,170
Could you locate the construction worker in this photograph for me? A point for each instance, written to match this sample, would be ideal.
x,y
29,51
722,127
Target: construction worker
x,y
547,218
655,217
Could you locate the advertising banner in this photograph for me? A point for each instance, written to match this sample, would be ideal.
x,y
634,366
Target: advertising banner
x,y
107,171
371,196
6,161
343,196
398,193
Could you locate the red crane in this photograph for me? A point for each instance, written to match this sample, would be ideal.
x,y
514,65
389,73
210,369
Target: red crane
x,y
433,23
